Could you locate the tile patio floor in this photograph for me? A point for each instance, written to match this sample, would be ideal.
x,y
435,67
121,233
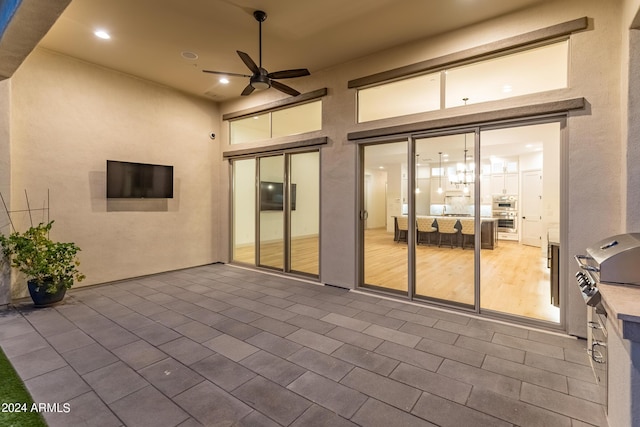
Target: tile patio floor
x,y
223,346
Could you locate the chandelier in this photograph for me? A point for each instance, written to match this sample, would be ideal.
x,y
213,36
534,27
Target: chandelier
x,y
465,172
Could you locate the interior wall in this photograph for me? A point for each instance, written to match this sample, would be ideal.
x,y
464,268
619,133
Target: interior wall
x,y
5,180
68,118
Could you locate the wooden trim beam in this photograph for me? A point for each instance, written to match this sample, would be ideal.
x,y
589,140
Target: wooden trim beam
x,y
286,146
536,110
304,97
537,36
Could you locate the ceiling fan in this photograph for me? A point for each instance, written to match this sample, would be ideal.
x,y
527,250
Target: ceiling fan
x,y
261,78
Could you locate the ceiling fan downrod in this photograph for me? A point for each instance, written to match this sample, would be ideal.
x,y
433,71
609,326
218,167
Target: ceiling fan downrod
x,y
260,16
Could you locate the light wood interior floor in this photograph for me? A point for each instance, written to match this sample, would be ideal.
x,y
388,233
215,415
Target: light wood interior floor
x,y
514,277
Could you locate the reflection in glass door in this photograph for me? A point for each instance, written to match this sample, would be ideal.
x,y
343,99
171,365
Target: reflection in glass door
x,y
446,219
273,200
386,231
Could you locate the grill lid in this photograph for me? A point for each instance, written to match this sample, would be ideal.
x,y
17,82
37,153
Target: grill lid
x,y
616,259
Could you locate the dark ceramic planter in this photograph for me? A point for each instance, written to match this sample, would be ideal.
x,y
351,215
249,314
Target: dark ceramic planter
x,y
42,298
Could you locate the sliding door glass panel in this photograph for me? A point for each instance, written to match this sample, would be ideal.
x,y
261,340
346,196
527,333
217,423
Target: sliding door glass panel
x,y
445,216
244,208
386,226
305,212
272,203
521,170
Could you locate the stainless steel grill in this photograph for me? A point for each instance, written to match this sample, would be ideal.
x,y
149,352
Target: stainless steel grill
x,y
614,260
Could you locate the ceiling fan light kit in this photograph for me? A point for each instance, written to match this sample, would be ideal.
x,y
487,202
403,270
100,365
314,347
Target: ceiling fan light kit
x,y
260,78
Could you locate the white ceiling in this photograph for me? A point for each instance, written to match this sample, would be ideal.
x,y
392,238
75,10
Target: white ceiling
x,y
148,36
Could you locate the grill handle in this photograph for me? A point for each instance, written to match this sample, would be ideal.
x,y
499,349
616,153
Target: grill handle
x,y
580,259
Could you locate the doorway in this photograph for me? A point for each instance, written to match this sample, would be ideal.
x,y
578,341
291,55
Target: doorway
x,y
275,218
460,218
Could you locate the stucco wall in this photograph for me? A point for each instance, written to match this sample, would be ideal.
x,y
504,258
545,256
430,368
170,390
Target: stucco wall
x,y
593,166
68,118
5,175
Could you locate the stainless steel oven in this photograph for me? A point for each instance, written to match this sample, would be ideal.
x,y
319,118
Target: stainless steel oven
x,y
507,221
505,203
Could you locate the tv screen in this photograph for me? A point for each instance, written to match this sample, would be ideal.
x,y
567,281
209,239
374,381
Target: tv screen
x,y
272,196
139,180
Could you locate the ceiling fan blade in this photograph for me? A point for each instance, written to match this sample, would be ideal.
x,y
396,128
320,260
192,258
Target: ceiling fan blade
x,y
289,74
247,90
249,62
222,73
284,88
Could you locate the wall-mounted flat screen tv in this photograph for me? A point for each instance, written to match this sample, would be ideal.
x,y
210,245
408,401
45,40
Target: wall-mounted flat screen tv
x,y
126,180
272,196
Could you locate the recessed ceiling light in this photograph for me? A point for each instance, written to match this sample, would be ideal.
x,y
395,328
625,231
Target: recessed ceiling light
x,y
224,81
507,88
102,34
189,55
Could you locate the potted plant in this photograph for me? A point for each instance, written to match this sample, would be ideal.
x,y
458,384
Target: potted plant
x,y
51,267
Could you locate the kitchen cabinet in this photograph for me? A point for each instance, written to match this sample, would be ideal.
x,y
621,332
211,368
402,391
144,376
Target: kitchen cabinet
x,y
488,233
504,183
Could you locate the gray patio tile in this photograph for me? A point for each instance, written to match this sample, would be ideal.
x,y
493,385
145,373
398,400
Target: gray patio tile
x,y
399,305
429,332
564,341
562,403
139,354
498,327
272,312
317,416
89,358
273,367
160,298
91,324
37,362
577,356
73,309
526,373
47,387
185,350
208,315
438,313
277,301
168,318
480,378
197,331
379,320
497,350
48,322
342,400
311,324
321,363
412,317
307,310
304,300
315,341
274,326
156,334
514,411
230,347
114,381
411,356
85,410
392,335
371,307
15,327
170,376
378,414
355,338
346,322
339,309
382,388
274,401
125,298
147,308
366,359
23,343
113,336
148,407
562,367
183,307
70,340
451,352
236,329
274,344
223,372
586,391
441,385
256,419
466,330
445,413
529,346
241,314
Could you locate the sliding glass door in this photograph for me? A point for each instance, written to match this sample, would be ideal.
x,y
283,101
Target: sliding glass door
x,y
276,203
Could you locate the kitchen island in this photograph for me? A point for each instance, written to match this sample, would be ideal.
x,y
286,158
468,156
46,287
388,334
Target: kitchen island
x,y
488,228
